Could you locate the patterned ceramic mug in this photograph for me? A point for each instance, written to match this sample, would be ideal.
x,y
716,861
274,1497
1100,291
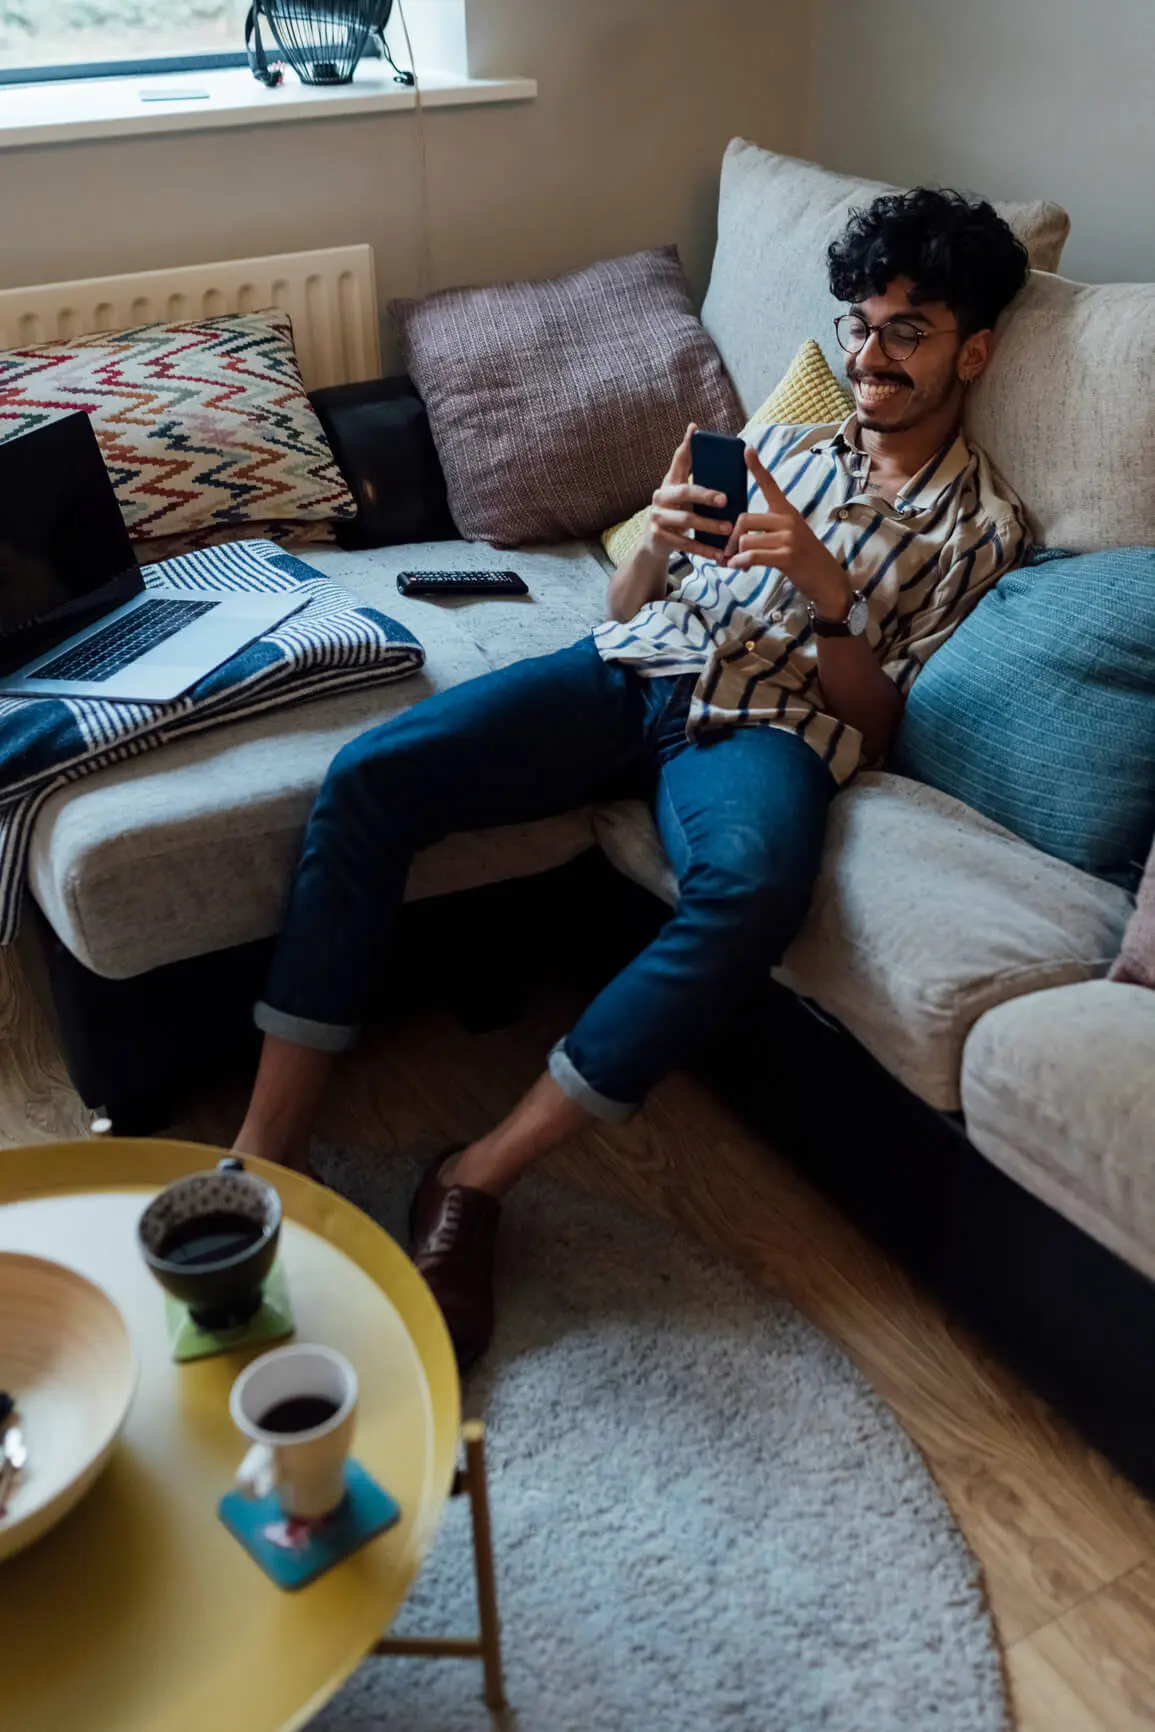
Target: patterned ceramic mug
x,y
210,1240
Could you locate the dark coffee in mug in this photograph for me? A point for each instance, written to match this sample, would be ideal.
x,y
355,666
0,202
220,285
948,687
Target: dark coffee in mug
x,y
298,1413
298,1405
210,1238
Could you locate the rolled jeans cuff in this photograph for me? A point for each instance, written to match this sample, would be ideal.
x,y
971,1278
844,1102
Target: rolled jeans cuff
x,y
302,1031
571,1082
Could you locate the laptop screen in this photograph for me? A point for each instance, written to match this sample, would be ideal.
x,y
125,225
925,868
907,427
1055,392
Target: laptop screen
x,y
65,555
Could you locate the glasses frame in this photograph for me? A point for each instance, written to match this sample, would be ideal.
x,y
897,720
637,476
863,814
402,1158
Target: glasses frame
x,y
879,331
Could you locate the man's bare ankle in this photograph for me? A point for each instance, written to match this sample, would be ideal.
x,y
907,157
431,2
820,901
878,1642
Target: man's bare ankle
x,y
471,1166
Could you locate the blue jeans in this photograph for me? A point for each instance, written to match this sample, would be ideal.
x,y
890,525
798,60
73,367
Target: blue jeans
x,y
742,815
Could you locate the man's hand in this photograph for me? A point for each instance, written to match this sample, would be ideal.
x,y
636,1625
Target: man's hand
x,y
672,514
781,537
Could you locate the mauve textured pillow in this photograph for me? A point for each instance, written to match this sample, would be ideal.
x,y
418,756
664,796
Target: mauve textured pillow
x,y
555,406
1136,961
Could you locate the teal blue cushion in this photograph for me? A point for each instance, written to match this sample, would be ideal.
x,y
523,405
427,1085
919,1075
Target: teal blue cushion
x,y
1040,710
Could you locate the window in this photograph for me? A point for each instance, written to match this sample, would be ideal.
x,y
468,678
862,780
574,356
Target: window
x,y
66,38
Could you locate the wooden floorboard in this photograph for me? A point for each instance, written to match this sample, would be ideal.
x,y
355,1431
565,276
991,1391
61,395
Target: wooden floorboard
x,y
1067,1546
1094,1667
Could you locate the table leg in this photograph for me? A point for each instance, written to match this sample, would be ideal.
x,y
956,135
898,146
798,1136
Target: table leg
x,y
478,1487
487,1646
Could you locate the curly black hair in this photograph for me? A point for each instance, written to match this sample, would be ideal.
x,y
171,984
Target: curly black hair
x,y
953,249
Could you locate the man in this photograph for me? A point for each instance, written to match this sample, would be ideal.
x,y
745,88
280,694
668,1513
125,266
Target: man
x,y
739,690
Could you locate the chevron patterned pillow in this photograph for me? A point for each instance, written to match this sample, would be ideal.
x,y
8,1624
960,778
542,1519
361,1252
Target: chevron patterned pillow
x,y
204,424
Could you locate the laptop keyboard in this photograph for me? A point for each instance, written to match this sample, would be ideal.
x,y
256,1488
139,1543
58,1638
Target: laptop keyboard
x,y
108,651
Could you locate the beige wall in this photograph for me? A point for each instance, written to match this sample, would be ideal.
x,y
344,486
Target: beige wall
x,y
621,150
1012,98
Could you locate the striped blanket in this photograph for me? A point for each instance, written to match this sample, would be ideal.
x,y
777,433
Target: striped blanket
x,y
332,645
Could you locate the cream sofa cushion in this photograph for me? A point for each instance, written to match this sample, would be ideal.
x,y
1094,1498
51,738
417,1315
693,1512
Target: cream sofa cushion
x,y
1066,411
191,849
925,916
769,292
1059,1091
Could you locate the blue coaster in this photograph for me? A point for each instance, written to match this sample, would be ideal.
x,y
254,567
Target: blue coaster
x,y
294,1553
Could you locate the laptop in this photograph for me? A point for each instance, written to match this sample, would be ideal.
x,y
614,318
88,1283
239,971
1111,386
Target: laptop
x,y
75,617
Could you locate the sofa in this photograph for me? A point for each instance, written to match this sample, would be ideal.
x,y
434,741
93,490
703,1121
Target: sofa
x,y
965,1079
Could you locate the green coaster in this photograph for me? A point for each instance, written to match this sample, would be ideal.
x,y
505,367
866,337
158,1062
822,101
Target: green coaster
x,y
272,1322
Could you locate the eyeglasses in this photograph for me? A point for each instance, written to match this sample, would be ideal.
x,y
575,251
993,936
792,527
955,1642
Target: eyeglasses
x,y
898,338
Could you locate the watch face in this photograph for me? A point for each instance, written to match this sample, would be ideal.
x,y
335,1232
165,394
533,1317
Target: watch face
x,y
858,618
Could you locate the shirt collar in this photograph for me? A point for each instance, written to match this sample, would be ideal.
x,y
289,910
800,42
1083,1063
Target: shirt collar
x,y
923,490
844,441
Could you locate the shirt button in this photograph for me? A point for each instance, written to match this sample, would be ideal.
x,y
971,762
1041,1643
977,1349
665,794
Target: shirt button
x,y
750,646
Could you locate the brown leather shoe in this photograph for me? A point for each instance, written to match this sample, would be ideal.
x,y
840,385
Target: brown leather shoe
x,y
453,1242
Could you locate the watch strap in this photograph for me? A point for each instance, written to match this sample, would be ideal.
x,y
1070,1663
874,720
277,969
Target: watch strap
x,y
828,627
841,627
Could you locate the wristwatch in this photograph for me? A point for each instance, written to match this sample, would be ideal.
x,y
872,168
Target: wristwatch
x,y
854,624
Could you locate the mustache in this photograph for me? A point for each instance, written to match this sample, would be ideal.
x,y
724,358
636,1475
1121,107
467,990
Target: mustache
x,y
854,375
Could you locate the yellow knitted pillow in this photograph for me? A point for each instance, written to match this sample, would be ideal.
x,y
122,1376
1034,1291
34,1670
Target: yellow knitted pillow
x,y
808,396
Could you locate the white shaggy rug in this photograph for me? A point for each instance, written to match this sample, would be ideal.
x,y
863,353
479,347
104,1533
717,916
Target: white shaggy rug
x,y
704,1518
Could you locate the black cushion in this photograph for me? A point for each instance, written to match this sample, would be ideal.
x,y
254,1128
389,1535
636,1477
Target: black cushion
x,y
380,436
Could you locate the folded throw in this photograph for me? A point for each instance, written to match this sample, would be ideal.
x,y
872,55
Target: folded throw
x,y
332,645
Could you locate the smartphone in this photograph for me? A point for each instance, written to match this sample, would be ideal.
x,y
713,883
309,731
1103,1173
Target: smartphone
x,y
718,461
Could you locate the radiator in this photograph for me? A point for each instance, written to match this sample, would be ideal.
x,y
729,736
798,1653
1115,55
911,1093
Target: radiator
x,y
330,295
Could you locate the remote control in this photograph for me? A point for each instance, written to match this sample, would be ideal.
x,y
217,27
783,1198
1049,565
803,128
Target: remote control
x,y
461,583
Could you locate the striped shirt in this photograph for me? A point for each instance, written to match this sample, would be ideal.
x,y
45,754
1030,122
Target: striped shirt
x,y
922,564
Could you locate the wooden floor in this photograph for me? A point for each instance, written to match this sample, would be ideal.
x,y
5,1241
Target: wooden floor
x,y
1068,1548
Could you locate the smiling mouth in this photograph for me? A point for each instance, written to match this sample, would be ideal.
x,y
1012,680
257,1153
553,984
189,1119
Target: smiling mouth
x,y
878,390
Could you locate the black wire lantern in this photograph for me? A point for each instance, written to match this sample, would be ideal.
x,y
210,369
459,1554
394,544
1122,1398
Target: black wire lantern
x,y
322,40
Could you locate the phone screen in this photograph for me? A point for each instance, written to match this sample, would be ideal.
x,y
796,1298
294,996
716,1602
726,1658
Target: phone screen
x,y
718,461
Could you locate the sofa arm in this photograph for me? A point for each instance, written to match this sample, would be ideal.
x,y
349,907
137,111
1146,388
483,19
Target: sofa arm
x,y
1058,1089
380,435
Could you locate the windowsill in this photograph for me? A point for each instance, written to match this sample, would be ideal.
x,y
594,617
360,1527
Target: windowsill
x,y
113,107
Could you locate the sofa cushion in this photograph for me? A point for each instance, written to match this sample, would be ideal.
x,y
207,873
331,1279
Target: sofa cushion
x,y
1057,1091
1040,710
769,291
204,424
555,406
925,915
1136,961
191,849
1066,411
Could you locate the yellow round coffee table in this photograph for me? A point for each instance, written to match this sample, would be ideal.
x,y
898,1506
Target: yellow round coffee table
x,y
140,1613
